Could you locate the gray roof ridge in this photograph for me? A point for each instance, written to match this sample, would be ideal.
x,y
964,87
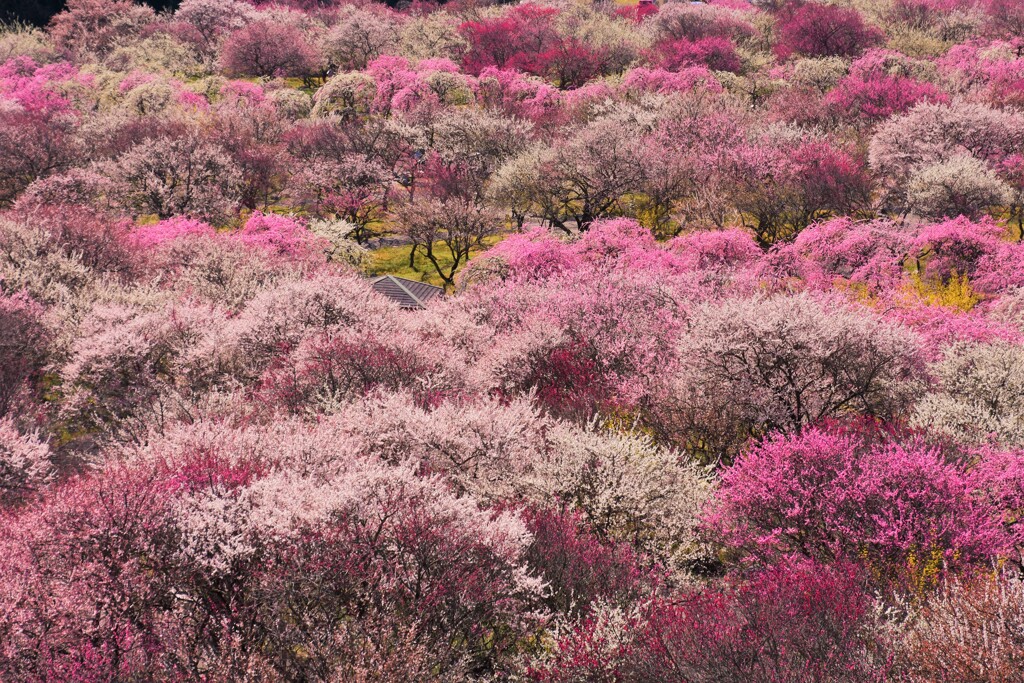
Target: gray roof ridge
x,y
406,290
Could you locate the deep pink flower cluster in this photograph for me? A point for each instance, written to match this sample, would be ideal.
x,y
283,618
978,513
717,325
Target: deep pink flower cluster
x,y
830,494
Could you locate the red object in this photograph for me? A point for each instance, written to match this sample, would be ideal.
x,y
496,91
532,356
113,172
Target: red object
x,y
646,8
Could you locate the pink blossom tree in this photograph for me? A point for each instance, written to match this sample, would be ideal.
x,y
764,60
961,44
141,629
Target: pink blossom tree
x,y
23,349
34,145
713,52
877,96
265,48
95,26
903,509
754,365
524,32
25,463
785,186
181,175
798,619
580,568
812,29
280,236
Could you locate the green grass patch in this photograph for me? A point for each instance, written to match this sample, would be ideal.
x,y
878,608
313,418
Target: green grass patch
x,y
395,261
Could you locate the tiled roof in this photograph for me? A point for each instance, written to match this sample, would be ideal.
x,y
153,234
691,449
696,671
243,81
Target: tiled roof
x,y
408,293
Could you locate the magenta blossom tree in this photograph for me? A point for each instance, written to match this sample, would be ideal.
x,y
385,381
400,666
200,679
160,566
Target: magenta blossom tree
x,y
813,29
901,508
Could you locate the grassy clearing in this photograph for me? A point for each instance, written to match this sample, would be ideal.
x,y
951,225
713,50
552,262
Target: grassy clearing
x,y
395,261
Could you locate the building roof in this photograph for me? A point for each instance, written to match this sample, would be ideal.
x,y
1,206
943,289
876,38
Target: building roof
x,y
408,293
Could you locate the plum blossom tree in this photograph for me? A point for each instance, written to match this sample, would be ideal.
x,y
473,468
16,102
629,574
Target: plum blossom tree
x,y
25,463
359,36
997,475
583,177
433,34
279,235
173,176
731,633
958,247
784,185
933,133
353,188
945,640
281,315
265,48
988,74
212,269
340,366
31,262
455,225
977,395
727,634
876,96
903,509
24,338
778,363
20,40
467,147
95,26
713,52
693,22
560,336
126,373
339,245
813,29
346,95
629,491
959,186
509,41
331,547
84,606
251,130
525,97
579,567
170,229
624,488
1007,20
213,19
34,145
870,253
